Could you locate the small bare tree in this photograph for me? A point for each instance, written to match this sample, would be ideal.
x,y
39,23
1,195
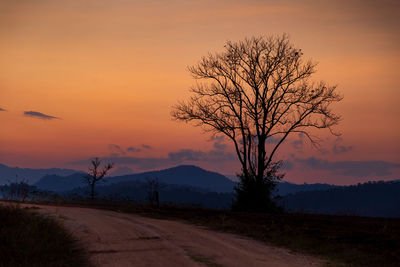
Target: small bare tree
x,y
95,174
153,188
257,92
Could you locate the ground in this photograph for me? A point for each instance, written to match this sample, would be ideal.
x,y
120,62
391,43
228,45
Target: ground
x,y
121,239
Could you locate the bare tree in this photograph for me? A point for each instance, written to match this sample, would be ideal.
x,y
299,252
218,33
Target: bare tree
x,y
257,92
95,174
152,188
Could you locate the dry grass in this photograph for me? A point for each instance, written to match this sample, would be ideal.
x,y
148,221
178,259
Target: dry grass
x,y
30,239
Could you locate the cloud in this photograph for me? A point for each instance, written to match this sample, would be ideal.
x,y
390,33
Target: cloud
x,y
298,144
116,149
338,148
147,146
349,168
216,154
2,109
139,149
133,149
187,155
39,115
218,142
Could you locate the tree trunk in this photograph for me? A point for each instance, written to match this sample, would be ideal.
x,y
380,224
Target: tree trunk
x,y
260,159
92,191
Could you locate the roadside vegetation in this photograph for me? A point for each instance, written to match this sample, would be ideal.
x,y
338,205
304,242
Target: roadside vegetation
x,y
30,239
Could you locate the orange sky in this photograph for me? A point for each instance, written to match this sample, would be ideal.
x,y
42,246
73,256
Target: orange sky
x,y
111,70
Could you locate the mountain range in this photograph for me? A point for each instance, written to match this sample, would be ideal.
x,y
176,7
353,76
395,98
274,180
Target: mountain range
x,y
183,175
61,180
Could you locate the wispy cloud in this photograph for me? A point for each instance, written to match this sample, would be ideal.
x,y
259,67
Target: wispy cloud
x,y
39,115
147,146
298,144
139,149
133,149
338,148
116,149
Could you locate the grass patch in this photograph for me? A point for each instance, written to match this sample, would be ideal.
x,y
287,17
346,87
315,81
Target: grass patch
x,y
30,239
205,261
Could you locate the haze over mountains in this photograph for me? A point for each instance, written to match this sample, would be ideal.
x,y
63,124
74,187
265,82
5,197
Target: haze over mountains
x,y
13,174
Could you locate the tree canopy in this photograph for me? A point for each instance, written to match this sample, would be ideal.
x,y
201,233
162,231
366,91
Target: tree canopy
x,y
257,92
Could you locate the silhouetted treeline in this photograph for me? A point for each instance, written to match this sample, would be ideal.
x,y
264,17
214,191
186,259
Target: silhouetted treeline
x,y
21,191
137,191
15,174
377,199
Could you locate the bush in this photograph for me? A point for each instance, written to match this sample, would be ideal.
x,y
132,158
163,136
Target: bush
x,y
254,194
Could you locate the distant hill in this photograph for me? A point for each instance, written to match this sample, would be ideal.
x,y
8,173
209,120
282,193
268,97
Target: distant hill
x,y
15,174
285,188
58,183
377,199
187,175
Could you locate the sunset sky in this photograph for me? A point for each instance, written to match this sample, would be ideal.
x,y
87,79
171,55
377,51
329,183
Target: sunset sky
x,y
98,78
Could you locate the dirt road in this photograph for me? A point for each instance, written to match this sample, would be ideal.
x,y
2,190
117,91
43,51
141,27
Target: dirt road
x,y
120,239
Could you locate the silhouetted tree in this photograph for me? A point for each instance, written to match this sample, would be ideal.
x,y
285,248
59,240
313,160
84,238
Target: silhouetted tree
x,y
257,92
252,195
153,188
18,190
95,174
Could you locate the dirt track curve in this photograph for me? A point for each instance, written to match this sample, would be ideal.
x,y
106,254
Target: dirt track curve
x,y
121,239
